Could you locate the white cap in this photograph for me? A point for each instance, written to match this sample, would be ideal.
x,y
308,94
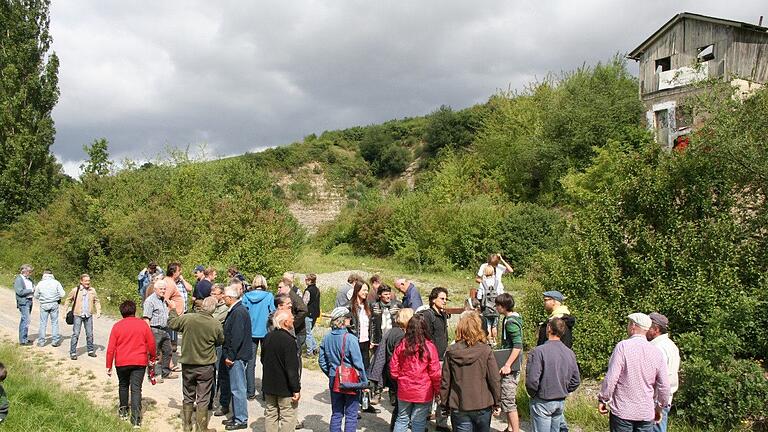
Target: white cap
x,y
642,320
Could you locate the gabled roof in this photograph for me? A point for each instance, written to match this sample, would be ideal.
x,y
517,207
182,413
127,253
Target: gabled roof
x,y
637,52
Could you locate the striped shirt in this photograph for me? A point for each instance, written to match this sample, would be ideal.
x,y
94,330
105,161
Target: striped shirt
x,y
635,371
156,311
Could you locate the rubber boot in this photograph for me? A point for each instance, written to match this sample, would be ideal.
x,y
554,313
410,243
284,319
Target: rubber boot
x,y
187,411
201,420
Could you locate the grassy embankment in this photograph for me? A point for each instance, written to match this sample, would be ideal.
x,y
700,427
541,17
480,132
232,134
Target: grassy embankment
x,y
38,403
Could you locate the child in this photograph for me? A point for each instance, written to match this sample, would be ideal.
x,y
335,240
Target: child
x,y
512,339
486,296
3,397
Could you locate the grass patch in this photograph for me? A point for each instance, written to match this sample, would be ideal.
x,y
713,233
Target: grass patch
x,y
37,403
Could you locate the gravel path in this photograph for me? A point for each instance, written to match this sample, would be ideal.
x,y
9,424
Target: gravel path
x,y
163,401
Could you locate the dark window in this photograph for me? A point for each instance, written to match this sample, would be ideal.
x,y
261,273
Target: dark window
x,y
663,64
705,53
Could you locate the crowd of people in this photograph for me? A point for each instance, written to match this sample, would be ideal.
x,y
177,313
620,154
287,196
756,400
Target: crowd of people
x,y
377,342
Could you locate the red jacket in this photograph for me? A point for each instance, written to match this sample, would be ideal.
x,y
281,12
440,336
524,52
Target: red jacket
x,y
418,379
130,343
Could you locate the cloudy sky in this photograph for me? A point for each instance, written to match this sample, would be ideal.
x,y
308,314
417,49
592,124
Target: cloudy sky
x,y
239,76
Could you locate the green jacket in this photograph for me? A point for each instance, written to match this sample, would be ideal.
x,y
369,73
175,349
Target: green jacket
x,y
202,333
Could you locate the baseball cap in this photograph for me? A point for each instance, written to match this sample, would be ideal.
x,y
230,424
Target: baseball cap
x,y
198,268
555,295
642,320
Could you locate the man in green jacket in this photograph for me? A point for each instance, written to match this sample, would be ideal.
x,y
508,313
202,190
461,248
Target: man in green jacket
x,y
202,333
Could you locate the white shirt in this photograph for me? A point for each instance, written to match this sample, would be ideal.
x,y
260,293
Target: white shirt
x,y
491,280
364,323
672,357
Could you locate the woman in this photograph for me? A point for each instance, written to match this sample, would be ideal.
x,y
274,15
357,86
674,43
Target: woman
x,y
391,340
470,387
130,345
415,366
361,320
343,406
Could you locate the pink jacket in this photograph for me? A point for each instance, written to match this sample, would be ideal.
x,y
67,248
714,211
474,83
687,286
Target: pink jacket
x,y
418,379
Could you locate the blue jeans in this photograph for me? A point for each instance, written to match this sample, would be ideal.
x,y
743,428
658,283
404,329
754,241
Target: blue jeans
x,y
414,413
250,370
311,342
662,427
237,386
25,310
88,324
547,416
620,425
49,310
471,421
344,406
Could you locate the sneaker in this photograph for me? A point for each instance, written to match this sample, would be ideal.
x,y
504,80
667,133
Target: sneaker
x,y
91,354
299,425
56,344
27,343
227,422
236,426
73,357
171,376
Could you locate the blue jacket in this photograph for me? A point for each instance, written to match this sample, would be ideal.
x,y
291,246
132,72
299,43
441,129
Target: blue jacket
x,y
412,298
330,355
23,295
259,304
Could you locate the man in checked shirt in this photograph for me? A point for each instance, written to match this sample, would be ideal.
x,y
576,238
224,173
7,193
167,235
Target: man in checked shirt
x,y
636,370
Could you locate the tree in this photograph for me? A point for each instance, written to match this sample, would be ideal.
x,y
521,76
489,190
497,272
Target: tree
x,y
28,92
98,163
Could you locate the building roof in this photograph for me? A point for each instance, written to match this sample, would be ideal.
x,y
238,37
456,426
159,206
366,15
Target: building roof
x,y
637,52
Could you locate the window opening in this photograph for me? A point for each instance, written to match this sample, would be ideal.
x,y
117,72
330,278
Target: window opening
x,y
663,64
705,53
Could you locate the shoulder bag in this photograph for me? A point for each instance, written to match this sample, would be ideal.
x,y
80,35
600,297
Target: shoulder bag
x,y
346,376
70,318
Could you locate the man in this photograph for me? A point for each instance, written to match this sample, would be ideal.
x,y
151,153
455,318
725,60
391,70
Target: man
x,y
298,308
25,289
49,293
553,304
222,377
172,291
281,383
311,298
344,294
156,308
437,330
383,313
411,296
374,284
236,352
551,374
203,286
659,338
260,304
86,301
511,339
199,273
202,333
636,372
146,275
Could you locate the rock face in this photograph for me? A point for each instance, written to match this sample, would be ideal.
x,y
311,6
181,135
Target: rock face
x,y
310,197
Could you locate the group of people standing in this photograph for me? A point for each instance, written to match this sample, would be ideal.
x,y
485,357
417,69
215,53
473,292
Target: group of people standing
x,y
376,342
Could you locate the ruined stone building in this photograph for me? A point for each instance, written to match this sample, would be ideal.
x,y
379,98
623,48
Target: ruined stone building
x,y
691,48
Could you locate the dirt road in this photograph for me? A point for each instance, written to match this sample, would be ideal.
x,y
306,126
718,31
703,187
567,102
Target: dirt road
x,y
163,401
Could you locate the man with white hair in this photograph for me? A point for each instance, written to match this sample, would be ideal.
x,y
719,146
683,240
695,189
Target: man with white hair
x,y
281,383
411,296
636,372
657,335
49,293
24,290
156,308
237,351
202,333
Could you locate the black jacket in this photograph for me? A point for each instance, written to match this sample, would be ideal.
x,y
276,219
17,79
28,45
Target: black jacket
x,y
313,305
567,338
237,334
299,310
280,358
437,328
380,312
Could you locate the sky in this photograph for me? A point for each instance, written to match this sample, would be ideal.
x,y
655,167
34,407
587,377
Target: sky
x,y
238,76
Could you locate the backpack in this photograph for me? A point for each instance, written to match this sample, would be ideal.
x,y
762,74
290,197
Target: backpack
x,y
488,302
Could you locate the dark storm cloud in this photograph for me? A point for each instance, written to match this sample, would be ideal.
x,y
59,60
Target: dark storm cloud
x,y
246,75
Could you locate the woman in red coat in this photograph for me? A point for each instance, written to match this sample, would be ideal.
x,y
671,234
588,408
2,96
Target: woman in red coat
x,y
131,345
415,366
